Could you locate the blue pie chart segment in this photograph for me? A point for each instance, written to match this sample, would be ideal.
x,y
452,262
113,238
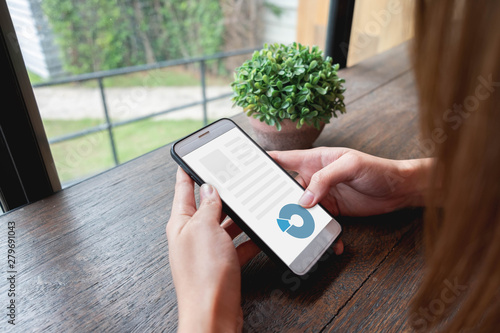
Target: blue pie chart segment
x,y
283,224
286,214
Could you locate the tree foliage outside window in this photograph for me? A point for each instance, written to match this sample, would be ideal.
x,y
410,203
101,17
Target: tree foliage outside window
x,y
99,35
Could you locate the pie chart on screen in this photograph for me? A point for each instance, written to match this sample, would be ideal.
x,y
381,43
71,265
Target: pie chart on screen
x,y
285,225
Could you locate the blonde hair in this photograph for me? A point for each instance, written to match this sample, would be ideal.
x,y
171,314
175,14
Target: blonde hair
x,y
457,69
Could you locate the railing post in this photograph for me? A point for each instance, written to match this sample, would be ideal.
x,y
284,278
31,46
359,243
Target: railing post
x,y
108,121
203,91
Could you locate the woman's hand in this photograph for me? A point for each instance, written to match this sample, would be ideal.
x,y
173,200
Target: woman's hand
x,y
204,262
349,182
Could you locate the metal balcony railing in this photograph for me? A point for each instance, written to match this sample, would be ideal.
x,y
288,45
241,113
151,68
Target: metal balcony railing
x,y
109,124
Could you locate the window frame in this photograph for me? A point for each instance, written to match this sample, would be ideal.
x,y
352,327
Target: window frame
x,y
338,33
27,169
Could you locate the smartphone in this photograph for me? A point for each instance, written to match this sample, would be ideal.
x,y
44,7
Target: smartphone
x,y
260,197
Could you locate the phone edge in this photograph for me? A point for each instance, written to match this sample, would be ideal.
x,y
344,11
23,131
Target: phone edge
x,y
245,228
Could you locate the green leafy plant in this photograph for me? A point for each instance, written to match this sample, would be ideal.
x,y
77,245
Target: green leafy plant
x,y
289,82
96,35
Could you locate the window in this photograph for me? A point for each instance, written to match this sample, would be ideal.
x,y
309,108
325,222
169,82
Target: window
x,y
100,85
113,81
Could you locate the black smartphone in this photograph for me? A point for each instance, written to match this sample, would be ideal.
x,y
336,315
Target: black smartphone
x,y
257,194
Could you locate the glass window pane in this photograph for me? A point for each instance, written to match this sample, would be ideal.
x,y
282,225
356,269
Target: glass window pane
x,y
73,48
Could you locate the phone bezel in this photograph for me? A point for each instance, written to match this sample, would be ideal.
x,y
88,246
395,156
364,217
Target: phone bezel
x,y
294,267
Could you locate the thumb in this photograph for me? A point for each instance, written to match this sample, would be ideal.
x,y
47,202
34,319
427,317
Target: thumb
x,y
210,203
323,180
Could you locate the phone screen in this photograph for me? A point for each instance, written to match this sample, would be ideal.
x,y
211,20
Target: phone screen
x,y
258,190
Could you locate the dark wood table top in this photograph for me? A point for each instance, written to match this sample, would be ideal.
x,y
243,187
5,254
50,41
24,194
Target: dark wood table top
x,y
95,256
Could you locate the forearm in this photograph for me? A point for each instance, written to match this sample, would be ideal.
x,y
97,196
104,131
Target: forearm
x,y
207,313
415,180
198,322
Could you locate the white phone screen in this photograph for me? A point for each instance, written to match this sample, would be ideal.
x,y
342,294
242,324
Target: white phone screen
x,y
259,192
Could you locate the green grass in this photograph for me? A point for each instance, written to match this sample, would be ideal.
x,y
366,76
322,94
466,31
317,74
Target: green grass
x,y
154,78
55,128
34,78
165,77
88,155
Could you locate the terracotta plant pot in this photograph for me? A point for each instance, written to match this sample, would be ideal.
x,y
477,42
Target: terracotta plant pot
x,y
269,138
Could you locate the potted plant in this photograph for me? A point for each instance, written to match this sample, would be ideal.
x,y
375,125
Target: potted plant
x,y
289,92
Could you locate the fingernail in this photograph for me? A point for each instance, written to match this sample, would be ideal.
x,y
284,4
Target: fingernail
x,y
337,248
206,190
306,199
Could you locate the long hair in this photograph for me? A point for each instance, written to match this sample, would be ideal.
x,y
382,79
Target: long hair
x,y
457,70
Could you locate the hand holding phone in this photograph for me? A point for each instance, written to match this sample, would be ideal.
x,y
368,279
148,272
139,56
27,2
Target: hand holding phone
x,y
257,194
204,263
348,182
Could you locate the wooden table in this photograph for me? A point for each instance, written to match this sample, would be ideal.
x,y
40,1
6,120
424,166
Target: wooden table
x,y
95,257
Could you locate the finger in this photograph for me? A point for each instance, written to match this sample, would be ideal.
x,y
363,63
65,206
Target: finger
x,y
300,180
231,228
323,180
338,247
210,209
247,251
290,159
184,203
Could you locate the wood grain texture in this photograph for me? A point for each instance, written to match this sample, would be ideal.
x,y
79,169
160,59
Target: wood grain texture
x,y
277,301
95,257
381,122
381,304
